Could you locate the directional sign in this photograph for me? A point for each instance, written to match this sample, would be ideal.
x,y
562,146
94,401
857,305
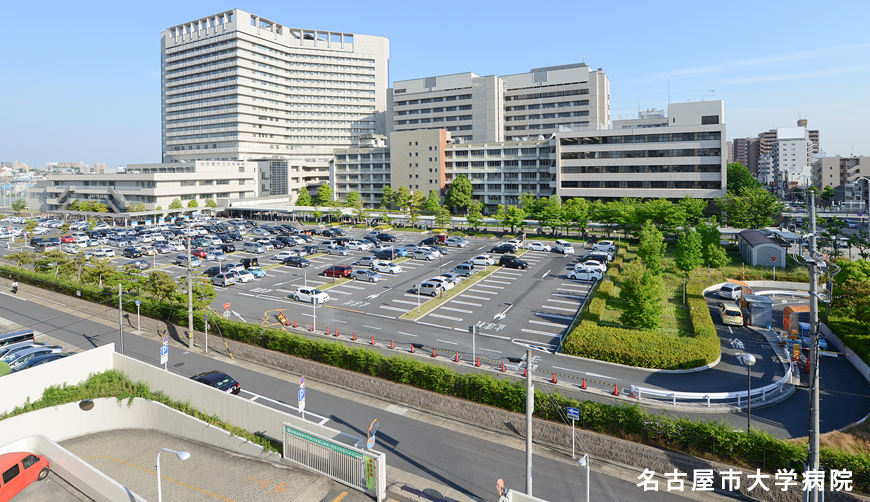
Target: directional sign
x,y
227,305
573,413
164,354
205,317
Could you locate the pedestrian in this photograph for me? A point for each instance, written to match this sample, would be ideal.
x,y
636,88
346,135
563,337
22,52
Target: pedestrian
x,y
15,287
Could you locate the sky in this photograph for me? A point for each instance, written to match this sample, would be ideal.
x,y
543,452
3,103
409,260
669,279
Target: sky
x,y
82,80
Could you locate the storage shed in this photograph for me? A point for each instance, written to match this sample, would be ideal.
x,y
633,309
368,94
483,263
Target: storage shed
x,y
758,249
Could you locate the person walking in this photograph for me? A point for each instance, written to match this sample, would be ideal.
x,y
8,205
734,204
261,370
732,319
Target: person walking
x,y
15,287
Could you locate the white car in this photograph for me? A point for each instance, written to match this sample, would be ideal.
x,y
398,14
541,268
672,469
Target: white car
x,y
310,295
358,245
71,248
423,254
283,254
40,231
585,274
452,277
104,253
432,250
597,265
244,276
537,246
446,283
608,246
386,267
483,260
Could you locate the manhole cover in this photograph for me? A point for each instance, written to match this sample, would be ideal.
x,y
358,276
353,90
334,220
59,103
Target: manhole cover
x,y
177,365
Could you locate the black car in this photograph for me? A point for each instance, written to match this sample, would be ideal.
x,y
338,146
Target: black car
x,y
213,271
218,380
250,262
504,248
341,241
277,244
39,360
36,240
386,238
306,237
296,261
599,256
510,261
310,249
372,239
132,252
287,241
337,231
430,241
226,239
228,248
385,254
329,233
235,236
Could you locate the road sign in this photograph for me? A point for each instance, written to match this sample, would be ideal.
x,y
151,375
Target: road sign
x,y
165,340
370,443
860,214
205,317
302,396
164,354
137,303
573,413
227,305
301,381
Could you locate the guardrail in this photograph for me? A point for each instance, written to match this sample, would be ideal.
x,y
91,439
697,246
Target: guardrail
x,y
764,392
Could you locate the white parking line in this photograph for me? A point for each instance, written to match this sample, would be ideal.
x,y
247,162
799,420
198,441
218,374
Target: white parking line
x,y
405,302
554,316
456,310
478,291
467,303
333,290
574,290
542,323
449,318
370,327
351,287
490,350
393,308
570,284
434,325
536,332
563,301
550,307
500,282
479,285
446,341
407,334
510,272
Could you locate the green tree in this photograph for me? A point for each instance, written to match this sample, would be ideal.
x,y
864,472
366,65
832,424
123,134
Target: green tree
x,y
317,214
715,256
739,178
75,205
161,286
664,213
474,217
532,205
203,291
64,228
30,226
304,198
551,213
693,208
403,199
359,210
442,217
51,261
750,208
100,208
193,203
641,292
651,248
22,258
690,253
387,197
92,223
850,295
19,205
576,212
418,201
459,194
337,214
324,195
208,203
433,202
351,199
101,271
175,204
510,216
827,195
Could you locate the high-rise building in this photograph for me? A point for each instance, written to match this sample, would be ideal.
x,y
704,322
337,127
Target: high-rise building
x,y
749,151
237,86
506,108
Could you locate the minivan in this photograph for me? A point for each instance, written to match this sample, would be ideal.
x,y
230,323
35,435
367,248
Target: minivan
x,y
430,288
20,469
731,291
564,247
253,247
463,269
26,335
46,246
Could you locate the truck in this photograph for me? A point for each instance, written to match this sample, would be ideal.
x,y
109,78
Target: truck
x,y
791,316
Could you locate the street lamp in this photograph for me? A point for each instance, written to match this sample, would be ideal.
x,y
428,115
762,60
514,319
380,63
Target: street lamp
x,y
441,272
748,360
182,455
584,462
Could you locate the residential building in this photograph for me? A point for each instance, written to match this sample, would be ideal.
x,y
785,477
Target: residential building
x,y
155,185
499,108
791,157
749,151
239,87
837,171
685,158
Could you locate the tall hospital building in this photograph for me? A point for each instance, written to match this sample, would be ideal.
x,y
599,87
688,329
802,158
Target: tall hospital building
x,y
236,86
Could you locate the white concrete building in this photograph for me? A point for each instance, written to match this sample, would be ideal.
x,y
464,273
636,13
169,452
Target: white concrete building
x,y
155,185
792,156
236,86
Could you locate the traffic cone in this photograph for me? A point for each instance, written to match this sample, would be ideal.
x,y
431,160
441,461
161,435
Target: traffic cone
x,y
294,323
615,390
327,330
525,372
335,333
502,368
456,358
310,327
392,345
354,336
583,385
554,378
412,348
478,362
433,352
373,340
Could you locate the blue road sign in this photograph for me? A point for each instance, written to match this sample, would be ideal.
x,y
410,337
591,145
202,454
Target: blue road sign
x,y
164,350
573,413
137,303
302,394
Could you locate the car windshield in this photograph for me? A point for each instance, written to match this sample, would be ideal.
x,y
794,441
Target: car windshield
x,y
223,382
316,292
732,311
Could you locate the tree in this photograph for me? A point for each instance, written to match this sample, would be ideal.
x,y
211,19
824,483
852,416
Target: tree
x,y
22,258
208,203
664,213
403,199
30,226
418,201
690,253
510,216
19,205
474,216
351,199
442,217
850,295
203,291
693,208
64,228
576,211
827,195
532,205
651,248
387,197
336,214
550,214
641,292
750,208
193,203
175,204
101,271
739,178
161,286
433,202
75,205
714,254
359,210
459,194
92,223
324,195
304,198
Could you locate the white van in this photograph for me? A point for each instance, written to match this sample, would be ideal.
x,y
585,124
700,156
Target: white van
x,y
564,247
253,247
731,291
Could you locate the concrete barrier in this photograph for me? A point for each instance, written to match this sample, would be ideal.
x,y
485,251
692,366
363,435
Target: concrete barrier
x,y
848,353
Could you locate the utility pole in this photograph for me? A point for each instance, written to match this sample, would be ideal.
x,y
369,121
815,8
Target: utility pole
x,y
189,295
813,457
120,315
530,408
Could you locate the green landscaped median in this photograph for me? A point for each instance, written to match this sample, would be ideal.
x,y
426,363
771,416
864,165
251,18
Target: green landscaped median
x,y
339,280
437,301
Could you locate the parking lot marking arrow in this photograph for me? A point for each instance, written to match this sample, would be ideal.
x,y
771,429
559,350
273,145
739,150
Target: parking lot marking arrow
x,y
501,315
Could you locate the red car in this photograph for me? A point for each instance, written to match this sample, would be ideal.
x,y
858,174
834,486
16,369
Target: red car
x,y
66,238
440,238
19,470
338,271
199,253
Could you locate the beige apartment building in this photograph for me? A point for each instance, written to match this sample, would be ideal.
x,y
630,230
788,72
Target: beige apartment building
x,y
239,87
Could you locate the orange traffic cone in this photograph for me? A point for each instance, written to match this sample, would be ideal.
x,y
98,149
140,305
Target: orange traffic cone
x,y
502,368
554,378
615,390
310,327
392,345
327,330
583,385
478,362
525,372
335,332
354,336
412,348
373,340
294,323
456,358
433,352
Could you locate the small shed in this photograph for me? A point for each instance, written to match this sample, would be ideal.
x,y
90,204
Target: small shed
x,y
760,250
757,310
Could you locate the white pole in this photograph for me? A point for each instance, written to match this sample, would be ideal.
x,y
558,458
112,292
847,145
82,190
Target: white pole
x,y
572,437
159,488
138,323
530,407
587,477
206,334
120,317
314,309
473,345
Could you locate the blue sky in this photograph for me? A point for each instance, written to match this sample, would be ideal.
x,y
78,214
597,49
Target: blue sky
x,y
82,80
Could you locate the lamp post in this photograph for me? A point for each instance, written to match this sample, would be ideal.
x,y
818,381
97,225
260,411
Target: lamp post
x,y
748,360
182,455
440,271
584,462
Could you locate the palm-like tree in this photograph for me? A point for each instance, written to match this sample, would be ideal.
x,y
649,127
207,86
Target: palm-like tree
x,y
21,258
101,269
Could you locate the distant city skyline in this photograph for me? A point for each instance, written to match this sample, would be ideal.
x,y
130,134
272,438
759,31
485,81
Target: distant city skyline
x,y
83,83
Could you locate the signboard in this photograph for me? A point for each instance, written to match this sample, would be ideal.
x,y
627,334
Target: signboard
x,y
138,303
164,354
796,352
165,340
227,305
773,259
302,394
573,413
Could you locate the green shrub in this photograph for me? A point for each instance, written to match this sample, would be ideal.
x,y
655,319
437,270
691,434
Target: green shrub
x,y
596,307
605,291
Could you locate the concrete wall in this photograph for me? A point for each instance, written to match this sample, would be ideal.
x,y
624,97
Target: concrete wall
x,y
18,388
850,355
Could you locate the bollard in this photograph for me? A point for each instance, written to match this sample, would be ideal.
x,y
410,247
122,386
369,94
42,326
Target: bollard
x,y
583,385
392,345
554,378
433,352
478,362
373,340
310,327
456,359
615,390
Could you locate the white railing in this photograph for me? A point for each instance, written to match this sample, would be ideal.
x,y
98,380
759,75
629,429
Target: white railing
x,y
777,387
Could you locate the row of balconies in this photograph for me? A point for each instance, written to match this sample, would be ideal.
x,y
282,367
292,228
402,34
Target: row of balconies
x,y
178,56
216,57
193,45
209,77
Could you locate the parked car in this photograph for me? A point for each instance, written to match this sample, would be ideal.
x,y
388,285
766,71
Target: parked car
x,y
608,246
386,238
228,248
730,314
446,283
257,272
283,255
731,291
182,261
224,279
585,274
337,250
250,262
310,295
20,469
386,267
510,261
244,276
366,275
430,288
454,278
40,360
564,247
504,248
455,242
483,260
140,264
296,261
358,245
537,246
804,328
132,252
21,355
213,271
218,380
463,269
423,254
253,247
163,248
366,261
597,265
338,271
